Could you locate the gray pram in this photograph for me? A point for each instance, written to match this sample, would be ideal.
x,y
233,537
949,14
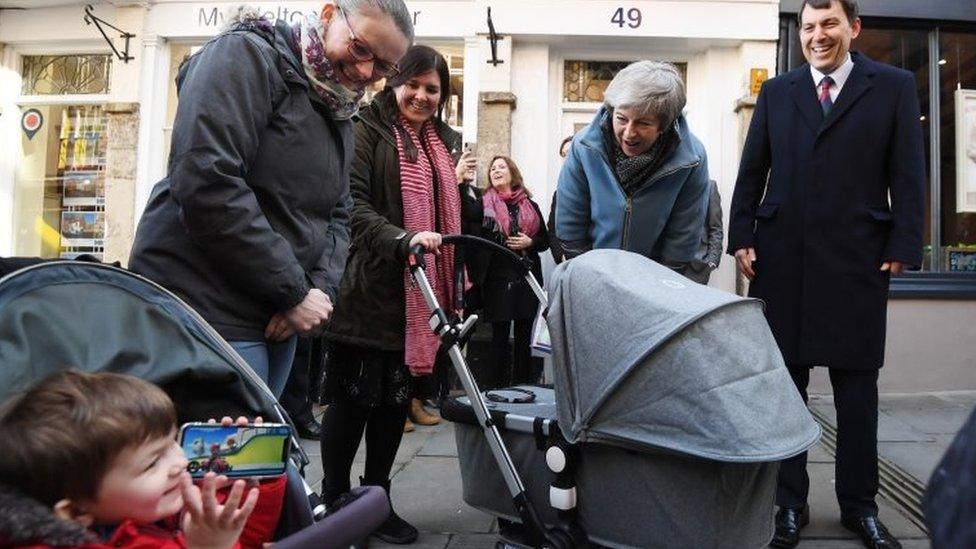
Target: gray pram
x,y
93,317
670,403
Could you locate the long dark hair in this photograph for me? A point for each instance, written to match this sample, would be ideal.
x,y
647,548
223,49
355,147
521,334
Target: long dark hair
x,y
418,60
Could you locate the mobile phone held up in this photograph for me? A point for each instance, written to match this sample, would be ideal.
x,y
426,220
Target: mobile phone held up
x,y
254,451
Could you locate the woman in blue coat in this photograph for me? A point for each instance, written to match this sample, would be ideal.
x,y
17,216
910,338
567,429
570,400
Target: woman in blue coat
x,y
636,178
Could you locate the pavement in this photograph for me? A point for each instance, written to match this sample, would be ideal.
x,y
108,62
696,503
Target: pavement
x,y
914,431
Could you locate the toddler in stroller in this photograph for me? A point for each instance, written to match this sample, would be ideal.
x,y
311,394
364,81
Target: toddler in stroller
x,y
86,454
96,317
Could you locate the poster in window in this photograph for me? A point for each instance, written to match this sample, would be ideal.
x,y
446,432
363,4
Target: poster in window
x,y
83,189
965,151
82,229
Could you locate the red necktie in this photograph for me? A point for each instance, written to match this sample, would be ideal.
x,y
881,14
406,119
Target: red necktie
x,y
825,102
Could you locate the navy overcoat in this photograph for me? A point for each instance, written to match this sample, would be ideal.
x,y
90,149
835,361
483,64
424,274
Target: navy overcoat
x,y
825,201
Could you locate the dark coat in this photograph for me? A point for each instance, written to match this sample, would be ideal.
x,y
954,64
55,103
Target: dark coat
x,y
250,215
950,498
824,224
504,292
371,309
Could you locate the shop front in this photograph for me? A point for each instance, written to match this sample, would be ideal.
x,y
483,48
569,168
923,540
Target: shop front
x,y
68,135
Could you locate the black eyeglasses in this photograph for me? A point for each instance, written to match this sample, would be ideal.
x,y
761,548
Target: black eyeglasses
x,y
360,50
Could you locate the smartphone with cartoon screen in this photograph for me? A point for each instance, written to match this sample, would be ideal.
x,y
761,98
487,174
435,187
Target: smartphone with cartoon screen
x,y
256,451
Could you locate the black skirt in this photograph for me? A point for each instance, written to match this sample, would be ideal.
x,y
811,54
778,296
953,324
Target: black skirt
x,y
365,377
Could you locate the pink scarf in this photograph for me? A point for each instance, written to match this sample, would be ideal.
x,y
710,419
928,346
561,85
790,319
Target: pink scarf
x,y
419,214
496,207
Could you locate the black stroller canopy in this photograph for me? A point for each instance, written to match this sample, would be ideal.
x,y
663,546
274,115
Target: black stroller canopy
x,y
644,358
95,317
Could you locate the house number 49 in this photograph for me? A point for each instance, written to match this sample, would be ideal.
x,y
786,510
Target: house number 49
x,y
630,17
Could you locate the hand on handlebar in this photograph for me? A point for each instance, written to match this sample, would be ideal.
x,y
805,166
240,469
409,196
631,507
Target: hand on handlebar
x,y
431,241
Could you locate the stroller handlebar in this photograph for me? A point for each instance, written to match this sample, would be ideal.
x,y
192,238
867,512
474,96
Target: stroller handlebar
x,y
416,262
524,265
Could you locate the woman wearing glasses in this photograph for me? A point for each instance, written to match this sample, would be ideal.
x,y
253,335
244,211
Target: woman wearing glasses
x,y
250,225
405,193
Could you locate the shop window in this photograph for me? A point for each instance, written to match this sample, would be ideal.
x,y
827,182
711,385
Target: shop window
x,y
586,81
66,74
60,192
957,131
907,49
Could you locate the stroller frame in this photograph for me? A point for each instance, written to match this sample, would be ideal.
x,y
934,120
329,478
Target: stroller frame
x,y
453,335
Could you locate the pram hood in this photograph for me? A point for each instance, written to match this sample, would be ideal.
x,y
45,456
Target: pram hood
x,y
95,317
647,359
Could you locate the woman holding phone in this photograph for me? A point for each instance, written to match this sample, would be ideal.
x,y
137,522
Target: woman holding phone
x,y
405,193
514,220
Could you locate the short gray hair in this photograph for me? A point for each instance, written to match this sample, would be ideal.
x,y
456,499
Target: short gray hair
x,y
650,87
395,9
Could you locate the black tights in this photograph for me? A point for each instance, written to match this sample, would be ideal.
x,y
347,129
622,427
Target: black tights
x,y
342,430
507,369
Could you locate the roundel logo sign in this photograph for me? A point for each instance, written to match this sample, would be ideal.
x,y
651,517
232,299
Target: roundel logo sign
x,y
32,122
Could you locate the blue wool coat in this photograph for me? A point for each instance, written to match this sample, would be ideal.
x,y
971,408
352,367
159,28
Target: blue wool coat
x,y
663,219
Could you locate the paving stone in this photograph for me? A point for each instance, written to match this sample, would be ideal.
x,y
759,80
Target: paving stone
x,y
441,442
427,493
892,429
855,544
473,541
818,454
919,459
425,541
825,513
944,420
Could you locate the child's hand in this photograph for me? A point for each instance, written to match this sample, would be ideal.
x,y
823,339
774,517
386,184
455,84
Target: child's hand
x,y
242,421
208,524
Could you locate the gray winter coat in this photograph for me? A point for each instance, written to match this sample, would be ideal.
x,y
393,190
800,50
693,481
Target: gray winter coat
x,y
254,210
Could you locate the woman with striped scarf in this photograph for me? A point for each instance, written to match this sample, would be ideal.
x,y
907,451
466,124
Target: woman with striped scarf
x,y
405,192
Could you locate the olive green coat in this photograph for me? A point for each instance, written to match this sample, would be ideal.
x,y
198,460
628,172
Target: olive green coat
x,y
370,311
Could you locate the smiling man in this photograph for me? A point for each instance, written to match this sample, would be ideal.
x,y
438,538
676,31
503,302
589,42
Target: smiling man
x,y
829,202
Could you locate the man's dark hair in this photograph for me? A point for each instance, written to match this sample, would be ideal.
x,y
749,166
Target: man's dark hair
x,y
850,8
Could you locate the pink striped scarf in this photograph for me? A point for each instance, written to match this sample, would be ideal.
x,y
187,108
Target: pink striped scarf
x,y
416,186
496,207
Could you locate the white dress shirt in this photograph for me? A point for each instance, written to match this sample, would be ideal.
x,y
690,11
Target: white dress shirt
x,y
839,75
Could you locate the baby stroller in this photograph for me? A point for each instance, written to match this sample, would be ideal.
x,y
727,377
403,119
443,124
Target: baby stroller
x,y
95,317
670,410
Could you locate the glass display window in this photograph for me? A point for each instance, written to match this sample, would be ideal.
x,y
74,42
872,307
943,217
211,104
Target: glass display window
x,y
957,127
65,74
60,192
586,81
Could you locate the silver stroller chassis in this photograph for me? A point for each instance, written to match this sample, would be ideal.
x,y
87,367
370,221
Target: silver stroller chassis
x,y
453,334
